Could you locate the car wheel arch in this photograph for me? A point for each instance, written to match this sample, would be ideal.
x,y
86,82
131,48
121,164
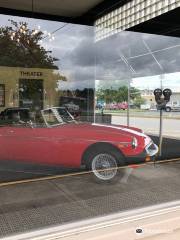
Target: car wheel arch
x,y
96,147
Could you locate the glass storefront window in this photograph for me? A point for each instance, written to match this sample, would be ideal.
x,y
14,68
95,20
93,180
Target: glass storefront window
x,y
79,122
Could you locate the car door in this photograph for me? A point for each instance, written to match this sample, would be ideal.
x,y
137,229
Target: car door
x,y
18,143
35,145
49,148
4,143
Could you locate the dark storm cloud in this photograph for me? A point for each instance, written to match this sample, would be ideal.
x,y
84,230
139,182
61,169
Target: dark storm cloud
x,y
147,65
75,45
167,58
106,54
84,54
83,61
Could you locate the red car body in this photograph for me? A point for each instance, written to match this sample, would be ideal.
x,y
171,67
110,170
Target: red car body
x,y
65,144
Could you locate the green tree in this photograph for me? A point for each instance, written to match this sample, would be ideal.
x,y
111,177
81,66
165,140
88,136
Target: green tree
x,y
107,95
134,93
119,95
122,94
20,47
100,94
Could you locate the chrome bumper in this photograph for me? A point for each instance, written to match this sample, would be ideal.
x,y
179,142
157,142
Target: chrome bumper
x,y
151,149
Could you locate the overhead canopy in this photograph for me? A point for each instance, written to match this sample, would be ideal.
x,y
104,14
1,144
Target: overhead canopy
x,y
165,24
66,8
75,11
86,12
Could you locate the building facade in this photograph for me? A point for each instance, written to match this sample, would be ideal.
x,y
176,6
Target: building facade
x,y
35,88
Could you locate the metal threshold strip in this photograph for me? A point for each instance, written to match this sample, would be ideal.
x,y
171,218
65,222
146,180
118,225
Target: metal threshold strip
x,y
61,176
103,223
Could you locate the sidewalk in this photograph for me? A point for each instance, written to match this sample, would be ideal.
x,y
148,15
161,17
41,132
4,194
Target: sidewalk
x,y
33,206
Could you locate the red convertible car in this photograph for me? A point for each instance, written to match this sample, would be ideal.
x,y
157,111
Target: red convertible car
x,y
57,139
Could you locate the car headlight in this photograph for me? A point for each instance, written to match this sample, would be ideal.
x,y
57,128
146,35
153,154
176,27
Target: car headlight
x,y
134,143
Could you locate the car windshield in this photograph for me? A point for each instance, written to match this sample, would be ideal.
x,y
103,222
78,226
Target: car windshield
x,y
45,118
56,116
65,115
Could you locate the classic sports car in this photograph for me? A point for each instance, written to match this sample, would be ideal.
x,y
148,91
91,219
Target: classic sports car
x,y
57,139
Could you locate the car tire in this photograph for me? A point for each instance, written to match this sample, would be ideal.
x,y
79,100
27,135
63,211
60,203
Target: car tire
x,y
168,109
105,165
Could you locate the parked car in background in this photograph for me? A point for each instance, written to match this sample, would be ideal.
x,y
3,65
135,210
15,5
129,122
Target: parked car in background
x,y
15,114
60,140
172,106
74,105
123,105
71,106
73,109
146,106
111,106
117,106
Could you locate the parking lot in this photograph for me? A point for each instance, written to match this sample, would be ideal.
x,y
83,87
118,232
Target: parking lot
x,y
34,205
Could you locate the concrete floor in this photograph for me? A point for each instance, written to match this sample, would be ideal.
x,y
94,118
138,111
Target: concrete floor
x,y
31,206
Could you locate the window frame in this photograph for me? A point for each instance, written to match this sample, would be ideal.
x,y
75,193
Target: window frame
x,y
3,95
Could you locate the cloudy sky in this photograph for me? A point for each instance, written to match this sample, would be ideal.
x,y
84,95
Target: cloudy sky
x,y
113,61
73,46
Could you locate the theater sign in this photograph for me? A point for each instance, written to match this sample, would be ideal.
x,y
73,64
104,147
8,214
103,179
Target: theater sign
x,y
34,88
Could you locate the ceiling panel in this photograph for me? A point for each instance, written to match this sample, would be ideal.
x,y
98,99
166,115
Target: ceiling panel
x,y
66,8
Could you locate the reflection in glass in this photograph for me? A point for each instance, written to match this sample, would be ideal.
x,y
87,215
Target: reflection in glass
x,y
53,79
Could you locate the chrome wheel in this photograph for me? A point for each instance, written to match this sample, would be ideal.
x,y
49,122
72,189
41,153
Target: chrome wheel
x,y
104,166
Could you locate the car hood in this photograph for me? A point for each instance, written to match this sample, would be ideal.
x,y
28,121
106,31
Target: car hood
x,y
104,132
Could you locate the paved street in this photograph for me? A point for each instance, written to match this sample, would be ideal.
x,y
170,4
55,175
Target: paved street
x,y
171,127
145,113
30,206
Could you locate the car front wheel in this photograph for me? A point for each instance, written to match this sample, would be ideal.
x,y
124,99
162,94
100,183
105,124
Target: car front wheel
x,y
104,166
